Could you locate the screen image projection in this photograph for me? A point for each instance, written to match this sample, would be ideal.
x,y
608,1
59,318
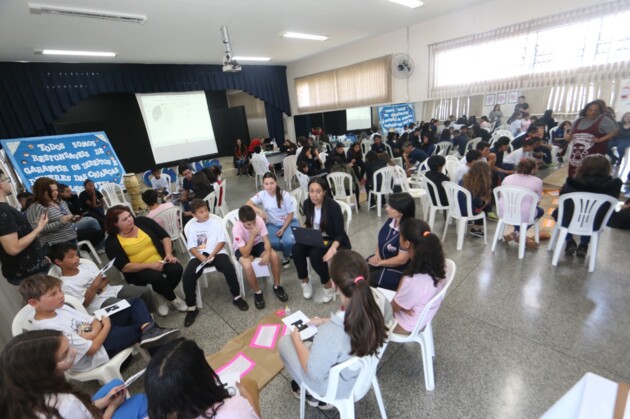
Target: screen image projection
x,y
178,125
358,118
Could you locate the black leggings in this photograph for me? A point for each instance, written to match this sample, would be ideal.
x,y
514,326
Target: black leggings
x,y
162,282
315,254
223,264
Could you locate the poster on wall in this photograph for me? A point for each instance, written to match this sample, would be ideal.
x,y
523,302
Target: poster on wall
x,y
396,116
623,104
501,98
69,159
489,100
513,97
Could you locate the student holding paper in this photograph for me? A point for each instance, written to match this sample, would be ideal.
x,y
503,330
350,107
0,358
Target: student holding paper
x,y
95,341
206,244
34,386
85,282
180,383
251,240
360,330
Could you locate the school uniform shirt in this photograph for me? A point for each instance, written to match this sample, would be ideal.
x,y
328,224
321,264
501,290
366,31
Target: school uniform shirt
x,y
205,236
276,216
69,321
241,234
515,156
30,260
414,294
260,157
68,405
389,239
78,285
462,169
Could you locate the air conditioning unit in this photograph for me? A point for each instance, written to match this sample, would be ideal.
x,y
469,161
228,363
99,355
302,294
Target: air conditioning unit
x,y
37,8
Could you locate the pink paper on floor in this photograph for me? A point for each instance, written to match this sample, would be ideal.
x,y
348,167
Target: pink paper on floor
x,y
240,365
265,336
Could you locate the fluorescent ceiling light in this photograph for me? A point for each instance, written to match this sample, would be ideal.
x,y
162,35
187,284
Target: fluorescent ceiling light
x,y
79,53
37,8
252,58
304,36
409,3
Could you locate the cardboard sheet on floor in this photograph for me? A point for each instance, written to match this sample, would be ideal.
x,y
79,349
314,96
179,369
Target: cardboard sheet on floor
x,y
268,363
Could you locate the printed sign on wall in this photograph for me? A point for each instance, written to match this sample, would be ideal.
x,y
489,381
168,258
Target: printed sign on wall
x,y
69,159
396,116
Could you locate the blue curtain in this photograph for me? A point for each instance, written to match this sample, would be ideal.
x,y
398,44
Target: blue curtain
x,y
34,95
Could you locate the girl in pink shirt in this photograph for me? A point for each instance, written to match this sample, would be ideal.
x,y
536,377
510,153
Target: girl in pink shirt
x,y
423,277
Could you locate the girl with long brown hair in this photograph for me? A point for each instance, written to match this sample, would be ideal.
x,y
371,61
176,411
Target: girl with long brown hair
x,y
357,330
478,181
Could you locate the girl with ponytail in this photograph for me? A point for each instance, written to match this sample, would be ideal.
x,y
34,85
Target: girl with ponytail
x,y
423,277
357,330
279,213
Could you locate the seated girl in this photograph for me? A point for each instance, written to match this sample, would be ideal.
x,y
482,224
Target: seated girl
x,y
34,386
423,277
478,182
310,155
360,331
180,383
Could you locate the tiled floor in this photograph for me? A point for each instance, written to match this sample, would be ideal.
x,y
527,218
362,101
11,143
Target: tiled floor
x,y
511,337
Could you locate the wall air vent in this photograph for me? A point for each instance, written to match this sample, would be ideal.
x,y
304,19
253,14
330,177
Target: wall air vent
x,y
37,8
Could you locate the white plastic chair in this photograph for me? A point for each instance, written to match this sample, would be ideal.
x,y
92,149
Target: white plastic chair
x,y
424,337
93,253
470,145
451,167
220,191
323,156
419,192
366,367
387,177
366,146
443,148
585,208
299,196
209,269
346,210
114,194
211,200
436,206
423,167
455,212
171,220
302,180
289,165
104,373
260,168
389,150
513,199
337,182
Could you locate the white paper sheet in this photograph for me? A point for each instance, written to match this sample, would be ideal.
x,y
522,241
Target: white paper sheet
x,y
299,320
113,309
106,267
203,265
265,336
239,366
260,270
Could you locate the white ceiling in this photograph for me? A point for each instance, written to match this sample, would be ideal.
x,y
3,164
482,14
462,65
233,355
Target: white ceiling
x,y
187,31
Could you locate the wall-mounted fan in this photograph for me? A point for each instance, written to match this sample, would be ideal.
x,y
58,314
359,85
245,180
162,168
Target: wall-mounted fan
x,y
402,66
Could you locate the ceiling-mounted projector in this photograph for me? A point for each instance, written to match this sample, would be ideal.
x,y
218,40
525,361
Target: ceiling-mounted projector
x,y
230,65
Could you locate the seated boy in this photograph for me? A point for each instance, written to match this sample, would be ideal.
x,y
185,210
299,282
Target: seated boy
x,y
206,242
95,341
251,241
82,281
160,183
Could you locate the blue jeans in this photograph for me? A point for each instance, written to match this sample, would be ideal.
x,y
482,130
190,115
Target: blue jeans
x,y
621,144
284,243
126,324
134,407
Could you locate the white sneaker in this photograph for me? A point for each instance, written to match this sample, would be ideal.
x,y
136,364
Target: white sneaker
x,y
163,309
329,295
179,304
307,290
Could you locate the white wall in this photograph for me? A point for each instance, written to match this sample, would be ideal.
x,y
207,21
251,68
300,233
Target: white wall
x,y
476,19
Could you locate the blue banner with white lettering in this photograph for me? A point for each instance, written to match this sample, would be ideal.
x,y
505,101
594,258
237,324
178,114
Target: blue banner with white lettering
x,y
69,159
396,116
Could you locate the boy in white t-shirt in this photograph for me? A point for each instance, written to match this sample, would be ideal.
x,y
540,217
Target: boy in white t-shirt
x,y
96,341
206,241
82,281
158,182
251,241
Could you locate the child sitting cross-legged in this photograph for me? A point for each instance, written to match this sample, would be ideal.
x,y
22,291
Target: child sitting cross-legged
x,y
251,241
206,241
83,281
95,341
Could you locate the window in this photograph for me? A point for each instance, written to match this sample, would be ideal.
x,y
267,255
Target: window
x,y
574,47
357,85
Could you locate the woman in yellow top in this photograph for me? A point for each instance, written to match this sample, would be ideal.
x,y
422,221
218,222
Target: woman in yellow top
x,y
144,254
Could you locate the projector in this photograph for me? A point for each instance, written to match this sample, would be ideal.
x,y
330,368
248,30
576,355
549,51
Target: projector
x,y
231,66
